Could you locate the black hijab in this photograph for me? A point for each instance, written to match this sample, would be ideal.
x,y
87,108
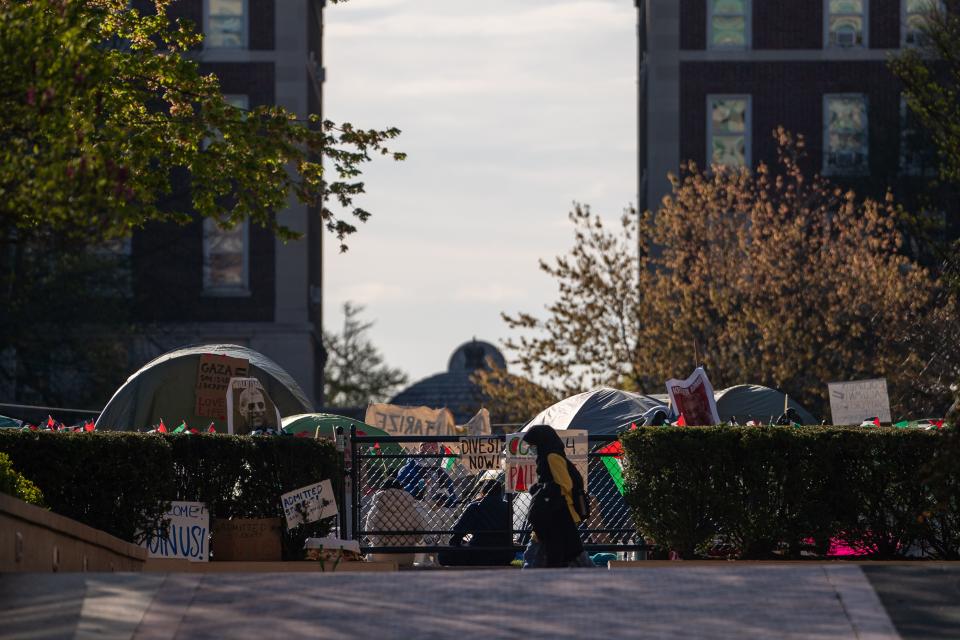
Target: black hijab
x,y
546,440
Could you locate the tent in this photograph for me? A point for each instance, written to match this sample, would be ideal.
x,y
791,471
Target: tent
x,y
600,411
756,402
167,387
327,422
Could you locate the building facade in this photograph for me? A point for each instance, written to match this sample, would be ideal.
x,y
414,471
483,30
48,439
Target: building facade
x,y
716,77
198,283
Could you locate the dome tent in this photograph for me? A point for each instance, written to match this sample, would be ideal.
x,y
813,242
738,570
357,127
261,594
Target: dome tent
x,y
165,388
756,402
600,411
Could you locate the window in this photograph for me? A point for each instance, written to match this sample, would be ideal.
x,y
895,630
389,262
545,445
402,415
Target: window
x,y
845,145
238,100
917,151
728,131
729,25
226,24
225,258
846,20
916,13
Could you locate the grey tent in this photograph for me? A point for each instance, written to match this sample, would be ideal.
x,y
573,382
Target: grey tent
x,y
755,402
166,388
600,411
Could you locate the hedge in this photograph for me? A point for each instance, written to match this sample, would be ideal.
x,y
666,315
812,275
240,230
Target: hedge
x,y
122,482
764,492
15,484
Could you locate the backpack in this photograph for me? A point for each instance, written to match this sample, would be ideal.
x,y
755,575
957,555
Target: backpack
x,y
581,501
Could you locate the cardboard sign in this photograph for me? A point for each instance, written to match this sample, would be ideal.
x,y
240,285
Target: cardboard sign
x,y
188,530
410,421
480,454
251,539
309,504
213,376
478,425
520,471
249,408
694,399
853,402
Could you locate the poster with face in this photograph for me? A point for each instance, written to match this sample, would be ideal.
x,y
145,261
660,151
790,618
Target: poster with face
x,y
694,399
249,408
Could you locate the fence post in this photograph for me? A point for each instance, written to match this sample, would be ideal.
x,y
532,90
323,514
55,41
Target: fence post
x,y
350,484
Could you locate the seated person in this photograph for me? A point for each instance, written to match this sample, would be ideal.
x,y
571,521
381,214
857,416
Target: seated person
x,y
488,520
425,478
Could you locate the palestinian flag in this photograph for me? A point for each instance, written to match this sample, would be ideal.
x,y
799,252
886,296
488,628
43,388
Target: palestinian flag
x,y
450,459
613,460
181,428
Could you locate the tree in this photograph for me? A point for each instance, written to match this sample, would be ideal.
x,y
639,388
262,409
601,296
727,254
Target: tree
x,y
762,276
930,73
355,372
511,399
105,115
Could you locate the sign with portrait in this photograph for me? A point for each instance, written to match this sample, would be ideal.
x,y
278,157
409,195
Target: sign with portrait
x,y
249,408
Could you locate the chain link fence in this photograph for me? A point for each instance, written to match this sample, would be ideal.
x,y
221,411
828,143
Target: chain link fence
x,y
410,492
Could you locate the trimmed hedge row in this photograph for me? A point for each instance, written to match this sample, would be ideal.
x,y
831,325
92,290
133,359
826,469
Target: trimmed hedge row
x,y
768,491
122,482
15,484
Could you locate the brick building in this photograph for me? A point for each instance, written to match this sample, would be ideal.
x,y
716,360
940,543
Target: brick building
x,y
198,283
716,77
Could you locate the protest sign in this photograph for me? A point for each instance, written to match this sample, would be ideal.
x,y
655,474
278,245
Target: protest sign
x,y
480,454
478,425
520,471
213,376
693,399
248,539
410,421
309,504
249,408
852,402
188,528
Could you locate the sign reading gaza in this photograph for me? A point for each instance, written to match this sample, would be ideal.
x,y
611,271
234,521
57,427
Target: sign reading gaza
x,y
213,376
521,464
188,527
309,504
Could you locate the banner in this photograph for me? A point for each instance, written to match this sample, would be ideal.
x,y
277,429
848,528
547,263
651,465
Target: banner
x,y
520,470
410,421
693,398
309,504
855,401
249,408
480,454
213,376
478,425
188,530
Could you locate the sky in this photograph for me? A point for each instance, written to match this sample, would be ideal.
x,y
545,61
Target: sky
x,y
511,110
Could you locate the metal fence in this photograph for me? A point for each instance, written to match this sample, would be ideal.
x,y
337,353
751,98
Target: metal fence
x,y
436,490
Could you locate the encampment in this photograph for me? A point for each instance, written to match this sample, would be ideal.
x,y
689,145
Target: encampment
x,y
190,385
755,402
600,411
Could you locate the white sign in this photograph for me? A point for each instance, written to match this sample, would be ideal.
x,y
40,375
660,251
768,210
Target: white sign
x,y
398,420
188,530
854,402
478,425
309,504
480,454
693,399
521,465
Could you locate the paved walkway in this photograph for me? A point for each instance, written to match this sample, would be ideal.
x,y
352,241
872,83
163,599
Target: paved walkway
x,y
726,601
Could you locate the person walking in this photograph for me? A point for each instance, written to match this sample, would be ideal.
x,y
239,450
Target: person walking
x,y
552,514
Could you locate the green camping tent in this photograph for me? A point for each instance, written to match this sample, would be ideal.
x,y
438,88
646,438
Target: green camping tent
x,y
167,387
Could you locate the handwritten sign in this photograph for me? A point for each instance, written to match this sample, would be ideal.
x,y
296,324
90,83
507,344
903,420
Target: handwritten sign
x,y
853,402
480,454
410,421
521,464
188,528
213,376
693,398
309,504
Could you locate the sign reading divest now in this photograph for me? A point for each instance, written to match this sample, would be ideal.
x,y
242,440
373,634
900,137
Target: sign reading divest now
x,y
521,463
854,402
480,454
187,533
309,504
